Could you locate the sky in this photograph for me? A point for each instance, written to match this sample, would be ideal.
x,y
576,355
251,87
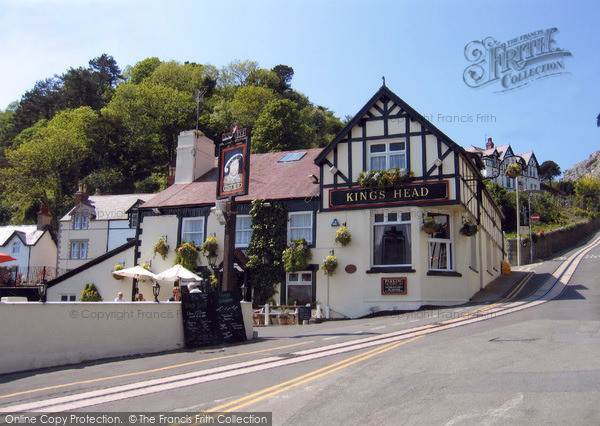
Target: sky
x,y
340,50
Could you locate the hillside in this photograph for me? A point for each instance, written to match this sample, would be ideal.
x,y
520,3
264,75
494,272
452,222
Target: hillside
x,y
589,167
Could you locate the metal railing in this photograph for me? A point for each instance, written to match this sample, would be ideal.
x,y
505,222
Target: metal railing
x,y
14,276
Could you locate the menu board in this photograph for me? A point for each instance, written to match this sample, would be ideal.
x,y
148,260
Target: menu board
x,y
229,317
304,313
211,319
199,328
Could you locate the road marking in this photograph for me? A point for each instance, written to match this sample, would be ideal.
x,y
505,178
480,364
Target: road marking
x,y
332,337
137,373
379,328
282,387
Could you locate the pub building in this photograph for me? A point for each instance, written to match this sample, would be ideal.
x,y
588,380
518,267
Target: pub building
x,y
387,173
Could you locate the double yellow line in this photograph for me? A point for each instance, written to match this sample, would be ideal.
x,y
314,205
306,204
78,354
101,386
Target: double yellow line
x,y
282,387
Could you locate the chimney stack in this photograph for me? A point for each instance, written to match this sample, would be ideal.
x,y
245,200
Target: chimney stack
x,y
489,144
195,156
44,218
81,196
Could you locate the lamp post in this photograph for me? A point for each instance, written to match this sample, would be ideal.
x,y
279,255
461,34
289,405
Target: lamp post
x,y
42,287
156,291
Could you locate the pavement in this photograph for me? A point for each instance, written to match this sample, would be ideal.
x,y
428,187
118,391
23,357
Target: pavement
x,y
498,288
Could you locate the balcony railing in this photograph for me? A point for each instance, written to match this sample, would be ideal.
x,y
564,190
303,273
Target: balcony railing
x,y
15,276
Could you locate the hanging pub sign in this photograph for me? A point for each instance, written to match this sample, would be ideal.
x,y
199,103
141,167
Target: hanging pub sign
x,y
234,163
409,193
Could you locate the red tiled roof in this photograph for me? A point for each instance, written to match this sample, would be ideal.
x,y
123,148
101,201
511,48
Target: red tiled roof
x,y
269,180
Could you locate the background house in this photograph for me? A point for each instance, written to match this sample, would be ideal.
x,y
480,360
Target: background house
x,y
497,158
34,248
96,225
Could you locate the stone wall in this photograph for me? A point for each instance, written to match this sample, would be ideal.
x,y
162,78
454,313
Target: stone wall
x,y
553,242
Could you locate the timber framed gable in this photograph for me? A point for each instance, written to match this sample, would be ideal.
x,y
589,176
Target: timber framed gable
x,y
387,123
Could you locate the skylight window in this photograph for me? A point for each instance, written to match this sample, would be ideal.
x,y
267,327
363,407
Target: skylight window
x,y
292,156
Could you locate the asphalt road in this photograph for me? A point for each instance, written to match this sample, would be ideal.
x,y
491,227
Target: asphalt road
x,y
524,352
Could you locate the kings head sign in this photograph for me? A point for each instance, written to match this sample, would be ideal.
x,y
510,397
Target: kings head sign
x,y
410,193
234,156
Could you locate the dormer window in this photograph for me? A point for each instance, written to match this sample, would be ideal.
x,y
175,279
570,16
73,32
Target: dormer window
x,y
81,222
387,155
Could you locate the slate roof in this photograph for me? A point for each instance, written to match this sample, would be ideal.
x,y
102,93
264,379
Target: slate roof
x,y
110,207
269,180
29,234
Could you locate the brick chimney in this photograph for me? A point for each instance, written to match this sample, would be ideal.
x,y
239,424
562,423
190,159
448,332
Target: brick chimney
x,y
489,144
44,218
81,196
195,156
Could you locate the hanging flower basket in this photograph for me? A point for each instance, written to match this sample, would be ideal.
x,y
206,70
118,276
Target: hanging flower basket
x,y
430,226
161,248
383,179
329,265
187,256
469,228
513,171
296,256
343,236
117,268
210,247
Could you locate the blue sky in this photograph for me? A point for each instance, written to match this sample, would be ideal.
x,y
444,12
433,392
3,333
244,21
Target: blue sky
x,y
339,51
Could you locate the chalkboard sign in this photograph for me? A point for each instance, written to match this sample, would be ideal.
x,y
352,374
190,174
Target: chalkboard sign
x,y
229,317
199,328
393,285
304,313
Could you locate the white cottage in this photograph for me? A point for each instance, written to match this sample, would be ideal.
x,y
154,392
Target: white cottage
x,y
391,263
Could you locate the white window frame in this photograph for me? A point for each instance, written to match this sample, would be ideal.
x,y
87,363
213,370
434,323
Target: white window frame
x,y
291,228
184,233
79,253
16,247
81,221
387,222
447,242
242,231
387,153
299,282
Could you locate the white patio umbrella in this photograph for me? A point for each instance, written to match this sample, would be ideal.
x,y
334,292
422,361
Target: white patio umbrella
x,y
136,272
178,272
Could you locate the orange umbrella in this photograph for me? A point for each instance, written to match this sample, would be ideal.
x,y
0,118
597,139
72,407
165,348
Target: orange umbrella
x,y
6,258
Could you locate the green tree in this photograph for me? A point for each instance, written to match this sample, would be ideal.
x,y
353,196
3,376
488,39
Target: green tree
x,y
284,74
236,72
248,103
142,70
280,127
587,188
152,116
549,170
47,167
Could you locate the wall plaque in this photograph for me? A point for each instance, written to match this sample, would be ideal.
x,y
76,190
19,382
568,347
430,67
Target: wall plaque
x,y
393,285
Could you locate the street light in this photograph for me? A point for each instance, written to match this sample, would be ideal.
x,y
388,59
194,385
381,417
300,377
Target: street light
x,y
156,291
42,287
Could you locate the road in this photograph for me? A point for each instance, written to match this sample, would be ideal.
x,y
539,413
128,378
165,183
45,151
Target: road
x,y
530,357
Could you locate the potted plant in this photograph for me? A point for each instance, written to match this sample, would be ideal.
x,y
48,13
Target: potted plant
x,y
90,294
187,256
296,256
161,247
469,228
284,318
210,247
513,171
430,226
117,267
329,265
343,236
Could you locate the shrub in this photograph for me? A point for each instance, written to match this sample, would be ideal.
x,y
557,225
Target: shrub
x,y
296,256
90,294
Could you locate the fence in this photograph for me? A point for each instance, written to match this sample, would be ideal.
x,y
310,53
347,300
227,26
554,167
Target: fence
x,y
15,276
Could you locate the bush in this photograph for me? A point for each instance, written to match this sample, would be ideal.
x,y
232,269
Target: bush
x,y
90,294
296,256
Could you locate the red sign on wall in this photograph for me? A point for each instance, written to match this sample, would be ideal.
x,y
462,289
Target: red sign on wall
x,y
234,167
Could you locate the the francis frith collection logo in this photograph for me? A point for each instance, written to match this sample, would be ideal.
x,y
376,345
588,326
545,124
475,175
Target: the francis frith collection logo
x,y
516,62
